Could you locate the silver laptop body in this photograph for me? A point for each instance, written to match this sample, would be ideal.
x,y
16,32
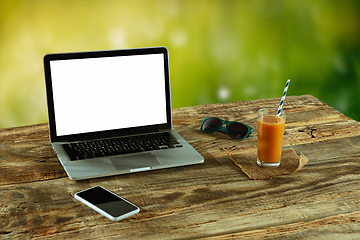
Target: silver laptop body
x,y
112,95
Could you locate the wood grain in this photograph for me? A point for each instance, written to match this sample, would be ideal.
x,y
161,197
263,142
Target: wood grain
x,y
211,200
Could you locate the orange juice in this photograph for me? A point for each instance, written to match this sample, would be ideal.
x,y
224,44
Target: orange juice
x,y
270,135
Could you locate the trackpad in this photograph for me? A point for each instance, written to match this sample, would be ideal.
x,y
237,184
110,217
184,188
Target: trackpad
x,y
135,161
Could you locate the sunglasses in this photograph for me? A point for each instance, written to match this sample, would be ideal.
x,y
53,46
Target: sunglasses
x,y
235,130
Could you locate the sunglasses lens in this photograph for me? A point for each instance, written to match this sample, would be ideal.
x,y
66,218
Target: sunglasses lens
x,y
237,130
210,125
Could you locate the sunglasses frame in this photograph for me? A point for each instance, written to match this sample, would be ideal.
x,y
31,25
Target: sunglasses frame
x,y
223,129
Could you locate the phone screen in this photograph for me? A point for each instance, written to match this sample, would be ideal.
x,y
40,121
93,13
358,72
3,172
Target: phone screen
x,y
108,202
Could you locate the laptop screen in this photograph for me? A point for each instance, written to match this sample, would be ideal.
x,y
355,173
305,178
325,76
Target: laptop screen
x,y
107,93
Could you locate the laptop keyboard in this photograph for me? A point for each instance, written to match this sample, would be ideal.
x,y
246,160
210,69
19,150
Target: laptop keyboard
x,y
117,146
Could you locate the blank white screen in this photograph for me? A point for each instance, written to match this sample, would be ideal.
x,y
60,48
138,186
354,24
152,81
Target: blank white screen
x,y
97,94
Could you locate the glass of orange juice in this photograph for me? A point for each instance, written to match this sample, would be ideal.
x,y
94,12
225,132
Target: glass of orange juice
x,y
270,133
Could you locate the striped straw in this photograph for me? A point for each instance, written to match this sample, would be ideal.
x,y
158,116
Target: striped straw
x,y
283,98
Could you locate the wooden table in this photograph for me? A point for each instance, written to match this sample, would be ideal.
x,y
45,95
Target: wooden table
x,y
211,200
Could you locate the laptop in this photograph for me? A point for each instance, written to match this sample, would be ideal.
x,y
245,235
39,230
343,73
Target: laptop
x,y
110,113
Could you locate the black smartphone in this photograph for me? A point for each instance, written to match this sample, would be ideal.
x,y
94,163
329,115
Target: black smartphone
x,y
107,203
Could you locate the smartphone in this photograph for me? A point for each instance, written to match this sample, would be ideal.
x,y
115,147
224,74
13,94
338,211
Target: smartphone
x,y
107,203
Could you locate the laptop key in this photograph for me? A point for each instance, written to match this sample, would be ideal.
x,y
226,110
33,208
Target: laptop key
x,y
73,158
99,154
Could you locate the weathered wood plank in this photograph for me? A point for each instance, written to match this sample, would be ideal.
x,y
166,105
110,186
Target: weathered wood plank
x,y
213,199
26,154
342,226
307,122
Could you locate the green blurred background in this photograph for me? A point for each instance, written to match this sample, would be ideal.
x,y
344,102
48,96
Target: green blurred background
x,y
220,50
